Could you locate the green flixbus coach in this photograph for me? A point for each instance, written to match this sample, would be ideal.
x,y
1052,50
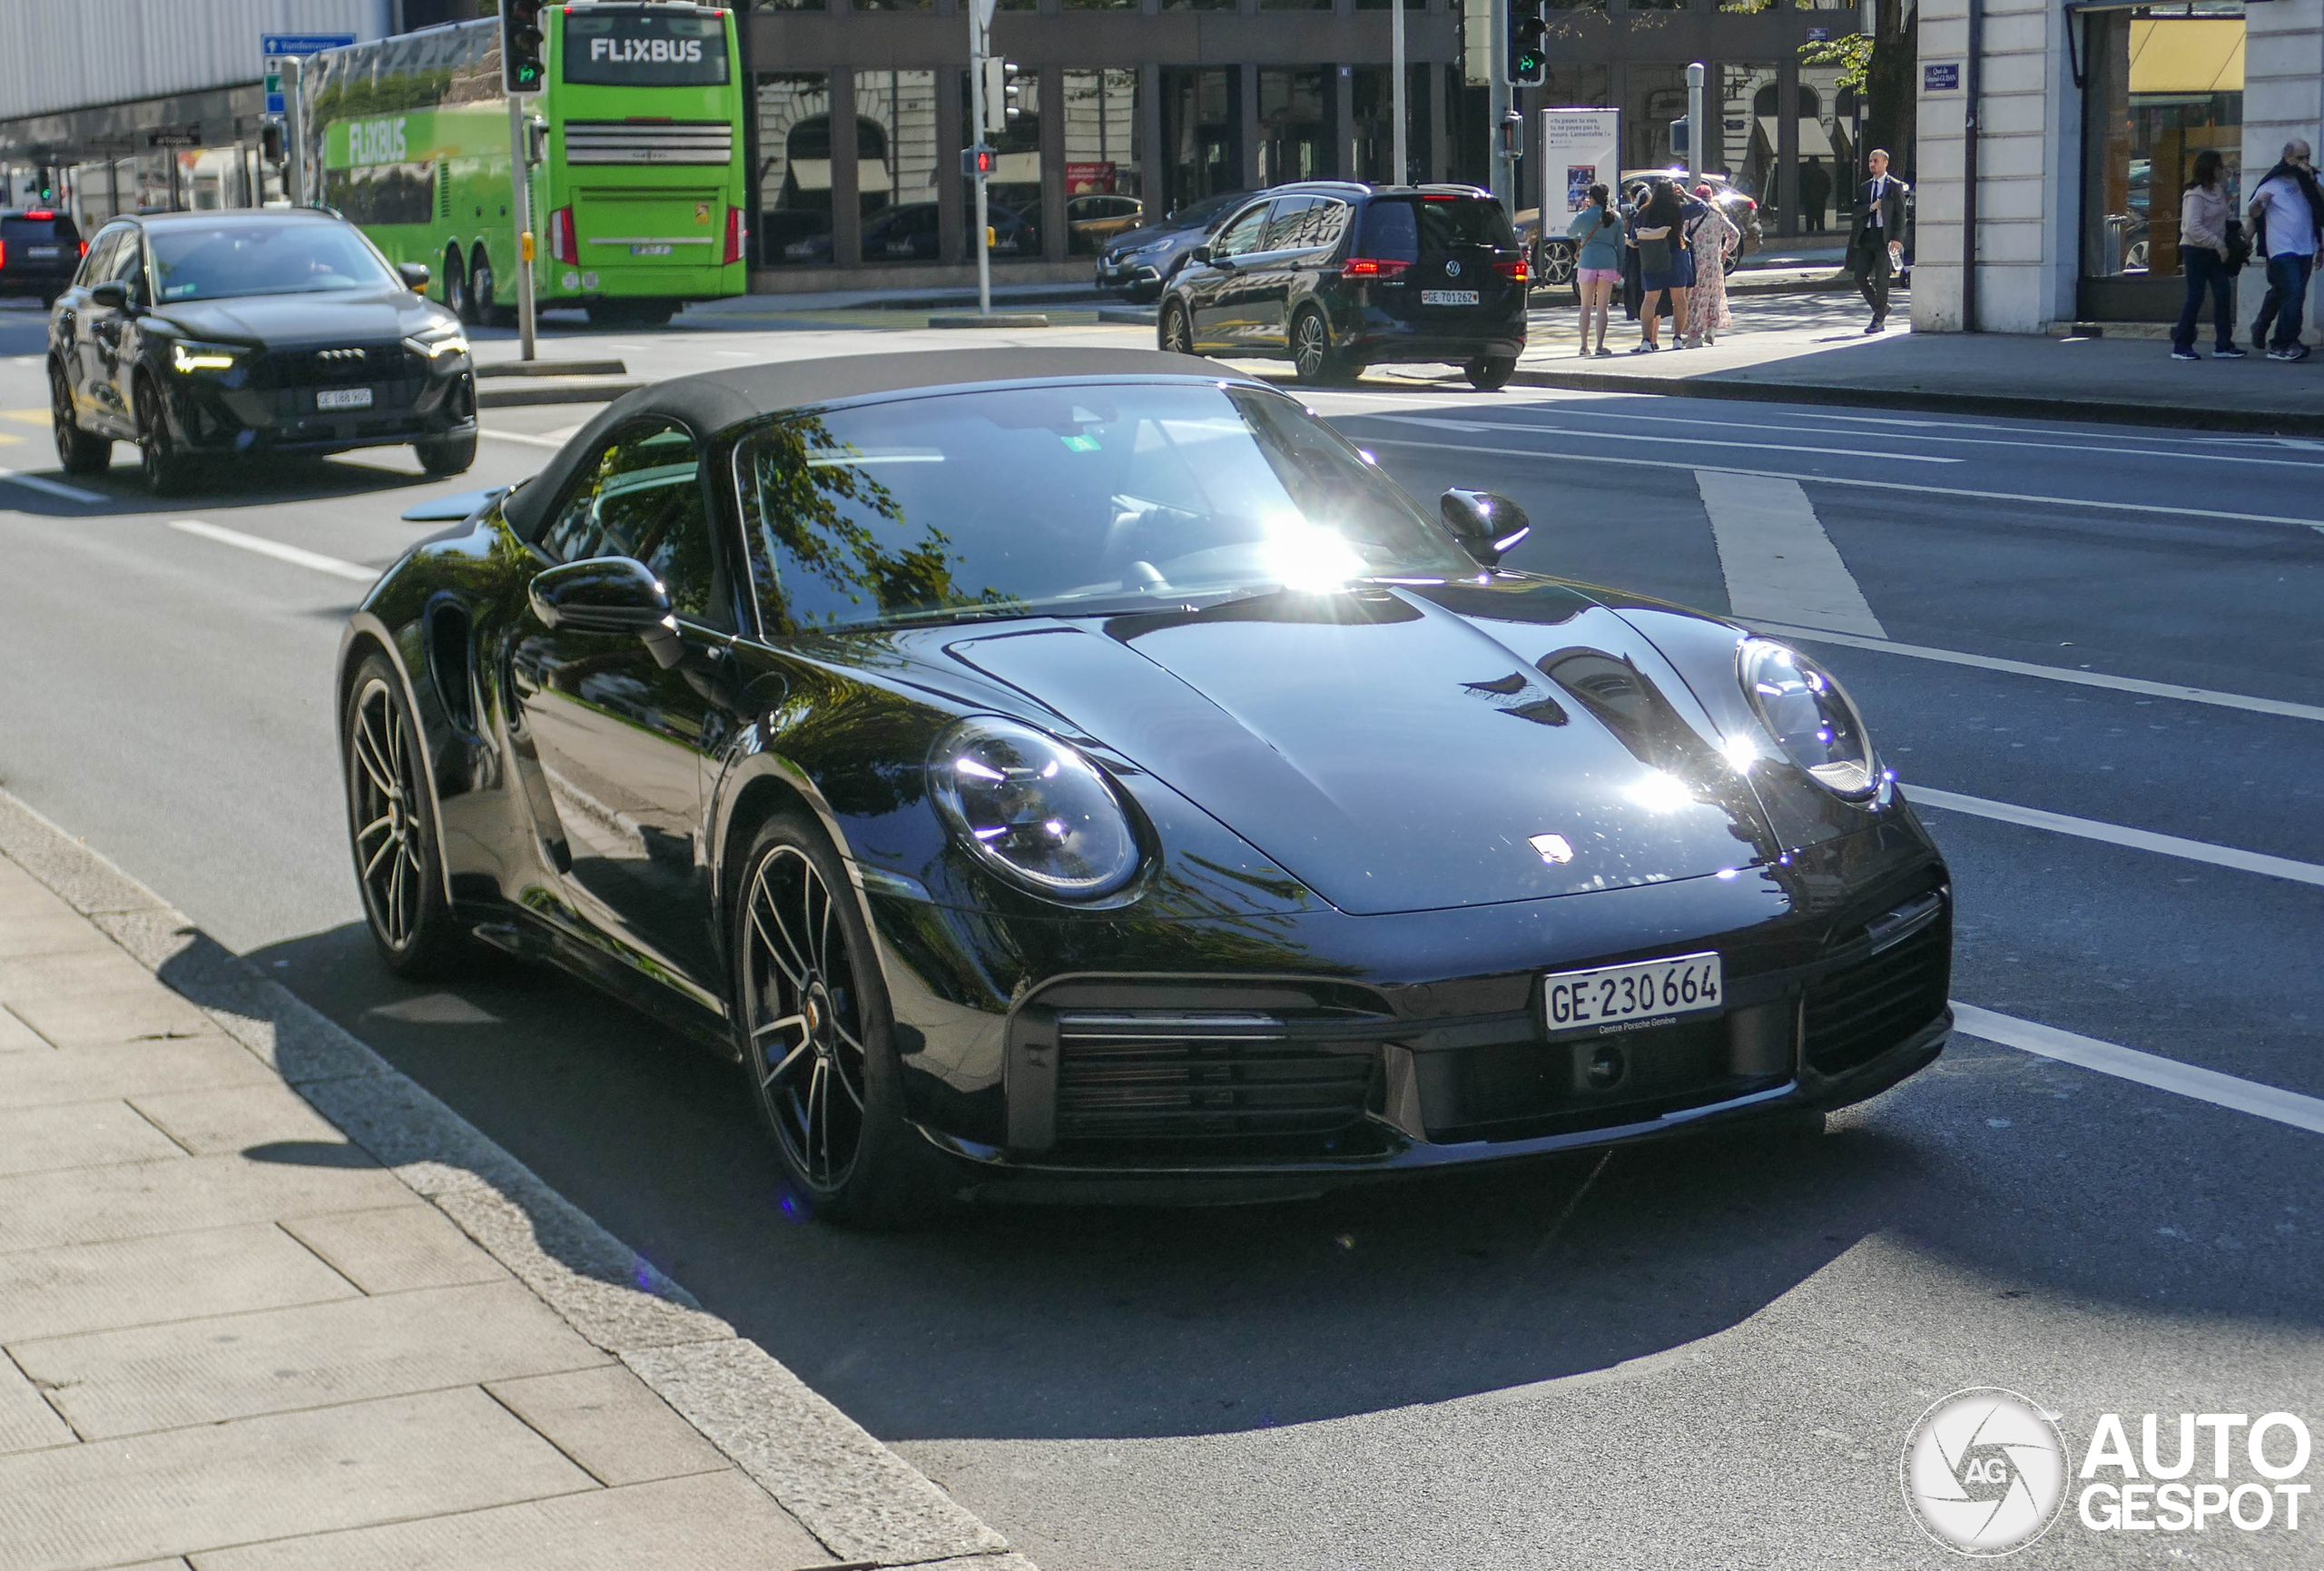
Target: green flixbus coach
x,y
638,199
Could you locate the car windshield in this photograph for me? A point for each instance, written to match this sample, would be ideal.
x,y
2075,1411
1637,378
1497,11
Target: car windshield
x,y
197,262
1067,500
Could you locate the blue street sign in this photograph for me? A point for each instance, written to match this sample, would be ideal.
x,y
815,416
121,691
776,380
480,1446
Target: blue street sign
x,y
273,47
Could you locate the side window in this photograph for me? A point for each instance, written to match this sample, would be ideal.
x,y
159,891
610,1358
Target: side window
x,y
129,262
1242,234
1288,221
1328,222
642,498
100,258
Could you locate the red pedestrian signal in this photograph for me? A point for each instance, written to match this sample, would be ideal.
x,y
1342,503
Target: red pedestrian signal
x,y
976,161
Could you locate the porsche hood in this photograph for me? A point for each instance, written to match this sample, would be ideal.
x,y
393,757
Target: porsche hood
x,y
1411,750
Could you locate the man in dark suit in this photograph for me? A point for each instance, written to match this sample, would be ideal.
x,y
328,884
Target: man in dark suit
x,y
1876,235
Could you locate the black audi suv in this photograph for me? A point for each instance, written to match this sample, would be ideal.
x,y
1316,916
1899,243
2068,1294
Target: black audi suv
x,y
203,335
1334,277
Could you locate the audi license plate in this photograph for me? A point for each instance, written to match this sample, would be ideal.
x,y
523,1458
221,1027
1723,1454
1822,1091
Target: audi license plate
x,y
1632,997
649,250
1448,297
343,398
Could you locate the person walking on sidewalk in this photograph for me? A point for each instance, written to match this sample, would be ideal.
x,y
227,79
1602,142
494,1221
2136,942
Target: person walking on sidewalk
x,y
1815,193
2204,251
1876,235
1715,236
1597,263
2287,215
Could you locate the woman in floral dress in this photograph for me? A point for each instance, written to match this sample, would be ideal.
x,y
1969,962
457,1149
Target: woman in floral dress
x,y
1715,235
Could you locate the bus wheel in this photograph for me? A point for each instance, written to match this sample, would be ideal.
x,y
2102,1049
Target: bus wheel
x,y
480,282
457,299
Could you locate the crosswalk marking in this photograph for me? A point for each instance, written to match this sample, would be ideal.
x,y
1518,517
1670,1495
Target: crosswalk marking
x,y
1777,559
2286,1107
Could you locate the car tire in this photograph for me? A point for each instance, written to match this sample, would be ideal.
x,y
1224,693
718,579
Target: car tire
x,y
447,455
457,298
1174,334
1313,358
817,1038
391,830
77,451
481,283
169,472
1491,374
1727,267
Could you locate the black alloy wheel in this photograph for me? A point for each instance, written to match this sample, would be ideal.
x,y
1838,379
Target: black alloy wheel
x,y
457,298
812,1016
1177,335
77,450
480,282
391,829
447,455
168,470
1491,374
1311,354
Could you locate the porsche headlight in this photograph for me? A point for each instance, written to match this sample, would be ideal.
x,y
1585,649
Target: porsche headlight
x,y
192,355
1032,808
1811,717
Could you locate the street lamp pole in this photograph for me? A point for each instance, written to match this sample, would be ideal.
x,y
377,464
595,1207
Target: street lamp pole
x,y
1403,170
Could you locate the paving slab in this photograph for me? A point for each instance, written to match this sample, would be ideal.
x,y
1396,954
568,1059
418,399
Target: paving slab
x,y
129,1069
77,1135
202,1371
15,1036
27,1423
143,1199
54,928
81,1508
717,1521
88,998
73,1288
241,1117
396,1250
609,1422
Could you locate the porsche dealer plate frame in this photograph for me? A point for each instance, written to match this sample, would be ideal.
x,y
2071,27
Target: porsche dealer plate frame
x,y
343,398
1448,297
1606,999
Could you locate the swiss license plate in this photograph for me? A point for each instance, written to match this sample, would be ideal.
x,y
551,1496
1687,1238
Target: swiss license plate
x,y
649,250
1645,993
1448,297
343,398
43,251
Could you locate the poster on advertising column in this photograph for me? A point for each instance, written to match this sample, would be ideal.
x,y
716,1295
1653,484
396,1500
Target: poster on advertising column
x,y
1580,148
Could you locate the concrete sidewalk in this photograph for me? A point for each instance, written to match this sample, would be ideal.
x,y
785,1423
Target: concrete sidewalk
x,y
266,1304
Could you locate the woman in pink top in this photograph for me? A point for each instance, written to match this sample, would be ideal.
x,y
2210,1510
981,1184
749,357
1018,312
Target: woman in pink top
x,y
2202,252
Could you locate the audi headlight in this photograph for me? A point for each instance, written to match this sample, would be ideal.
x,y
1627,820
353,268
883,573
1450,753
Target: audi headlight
x,y
452,343
1810,717
1032,808
192,355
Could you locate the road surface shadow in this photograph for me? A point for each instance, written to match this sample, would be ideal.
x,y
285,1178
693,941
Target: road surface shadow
x,y
255,482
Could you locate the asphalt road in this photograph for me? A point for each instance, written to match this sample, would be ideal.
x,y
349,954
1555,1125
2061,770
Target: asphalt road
x,y
1692,1354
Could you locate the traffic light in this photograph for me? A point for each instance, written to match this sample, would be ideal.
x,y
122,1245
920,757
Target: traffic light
x,y
272,148
975,160
522,67
996,94
1529,35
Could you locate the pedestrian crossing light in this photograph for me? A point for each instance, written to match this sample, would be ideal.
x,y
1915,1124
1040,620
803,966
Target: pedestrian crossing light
x,y
975,162
1529,37
522,67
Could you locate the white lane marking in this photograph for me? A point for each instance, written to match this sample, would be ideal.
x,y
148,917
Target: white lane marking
x,y
53,488
2119,835
2060,674
2181,512
355,572
2227,1091
1733,425
1863,453
1777,559
519,434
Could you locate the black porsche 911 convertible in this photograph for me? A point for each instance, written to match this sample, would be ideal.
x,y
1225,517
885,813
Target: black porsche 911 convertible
x,y
1085,767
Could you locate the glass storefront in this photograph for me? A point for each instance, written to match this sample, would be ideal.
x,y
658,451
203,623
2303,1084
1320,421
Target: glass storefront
x,y
795,174
896,191
1199,131
1747,139
1295,125
2164,84
1656,95
1105,184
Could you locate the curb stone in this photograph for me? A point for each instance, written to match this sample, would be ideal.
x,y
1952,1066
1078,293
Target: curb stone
x,y
866,1505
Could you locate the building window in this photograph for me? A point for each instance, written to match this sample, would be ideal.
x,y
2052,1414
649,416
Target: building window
x,y
1747,127
1105,185
1014,191
794,174
897,190
2162,89
1294,127
1657,96
1201,135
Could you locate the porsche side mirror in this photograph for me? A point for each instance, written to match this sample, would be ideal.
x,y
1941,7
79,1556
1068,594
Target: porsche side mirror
x,y
415,275
1487,525
608,594
113,294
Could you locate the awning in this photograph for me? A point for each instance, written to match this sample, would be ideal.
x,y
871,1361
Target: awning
x,y
1814,142
2181,56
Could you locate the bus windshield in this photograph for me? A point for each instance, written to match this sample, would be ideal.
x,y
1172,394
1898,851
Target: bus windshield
x,y
643,48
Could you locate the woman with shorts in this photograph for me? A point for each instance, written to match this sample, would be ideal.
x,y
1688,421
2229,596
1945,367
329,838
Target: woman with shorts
x,y
1597,261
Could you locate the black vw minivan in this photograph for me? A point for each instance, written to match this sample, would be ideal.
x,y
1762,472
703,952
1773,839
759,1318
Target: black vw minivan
x,y
1335,276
